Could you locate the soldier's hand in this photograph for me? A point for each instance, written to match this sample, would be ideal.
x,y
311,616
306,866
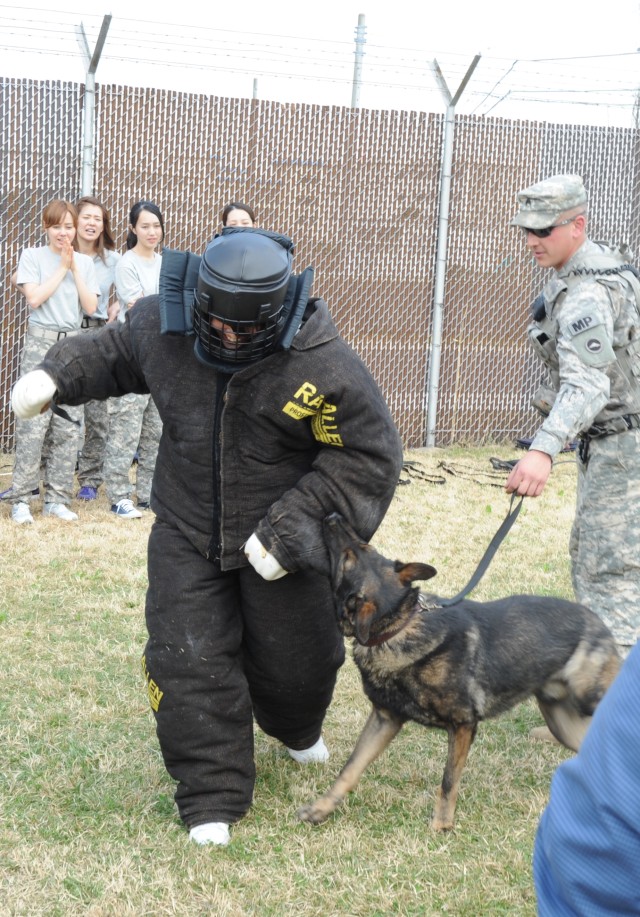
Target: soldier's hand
x,y
529,476
32,394
262,561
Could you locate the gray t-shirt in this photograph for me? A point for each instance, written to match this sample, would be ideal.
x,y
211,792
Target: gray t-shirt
x,y
62,311
136,277
106,274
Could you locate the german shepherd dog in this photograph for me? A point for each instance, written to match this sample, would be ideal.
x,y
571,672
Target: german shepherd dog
x,y
451,667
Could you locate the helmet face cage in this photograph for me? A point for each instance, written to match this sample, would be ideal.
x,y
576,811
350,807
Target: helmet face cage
x,y
234,340
238,311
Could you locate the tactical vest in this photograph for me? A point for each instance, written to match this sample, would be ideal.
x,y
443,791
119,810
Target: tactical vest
x,y
611,268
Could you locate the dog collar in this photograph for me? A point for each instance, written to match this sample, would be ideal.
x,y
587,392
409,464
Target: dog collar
x,y
388,634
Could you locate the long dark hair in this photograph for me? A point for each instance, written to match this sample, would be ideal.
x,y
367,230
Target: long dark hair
x,y
134,214
106,239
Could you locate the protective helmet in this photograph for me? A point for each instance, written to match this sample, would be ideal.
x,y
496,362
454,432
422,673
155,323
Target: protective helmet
x,y
239,312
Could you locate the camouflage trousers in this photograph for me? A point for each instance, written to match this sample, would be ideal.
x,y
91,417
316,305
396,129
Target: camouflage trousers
x,y
605,538
62,440
96,431
134,426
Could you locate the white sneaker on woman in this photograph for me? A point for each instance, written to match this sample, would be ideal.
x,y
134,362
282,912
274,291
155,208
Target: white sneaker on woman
x,y
60,511
21,514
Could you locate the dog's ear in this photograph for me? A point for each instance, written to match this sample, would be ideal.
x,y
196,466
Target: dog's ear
x,y
408,573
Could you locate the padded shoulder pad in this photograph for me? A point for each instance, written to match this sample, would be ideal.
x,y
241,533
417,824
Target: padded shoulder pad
x,y
178,282
295,305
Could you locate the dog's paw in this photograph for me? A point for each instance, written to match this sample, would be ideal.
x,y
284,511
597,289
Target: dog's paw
x,y
441,824
313,813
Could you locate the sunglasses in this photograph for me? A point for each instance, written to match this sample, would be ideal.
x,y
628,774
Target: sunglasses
x,y
546,232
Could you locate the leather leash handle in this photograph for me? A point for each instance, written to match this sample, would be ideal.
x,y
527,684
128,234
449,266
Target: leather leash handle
x,y
508,521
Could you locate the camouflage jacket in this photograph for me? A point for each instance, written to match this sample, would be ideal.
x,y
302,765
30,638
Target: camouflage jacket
x,y
586,330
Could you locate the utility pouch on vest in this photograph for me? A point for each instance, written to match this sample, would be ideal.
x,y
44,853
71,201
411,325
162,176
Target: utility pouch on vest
x,y
542,339
544,399
538,309
178,282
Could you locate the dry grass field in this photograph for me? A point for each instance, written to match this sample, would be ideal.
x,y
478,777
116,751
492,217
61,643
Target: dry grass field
x,y
87,820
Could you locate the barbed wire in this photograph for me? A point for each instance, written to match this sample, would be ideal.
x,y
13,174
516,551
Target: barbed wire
x,y
586,82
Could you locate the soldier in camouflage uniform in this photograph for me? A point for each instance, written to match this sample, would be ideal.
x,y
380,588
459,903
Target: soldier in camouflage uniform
x,y
132,418
62,442
134,421
586,329
58,284
94,239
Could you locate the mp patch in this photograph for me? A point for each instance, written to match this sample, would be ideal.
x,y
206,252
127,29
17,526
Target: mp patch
x,y
591,341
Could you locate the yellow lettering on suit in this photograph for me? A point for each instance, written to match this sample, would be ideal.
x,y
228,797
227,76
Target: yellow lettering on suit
x,y
154,692
308,402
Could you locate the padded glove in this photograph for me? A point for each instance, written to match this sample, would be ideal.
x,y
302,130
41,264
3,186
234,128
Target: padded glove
x,y
31,393
262,562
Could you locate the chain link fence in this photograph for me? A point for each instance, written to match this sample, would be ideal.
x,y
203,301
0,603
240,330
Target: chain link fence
x,y
358,191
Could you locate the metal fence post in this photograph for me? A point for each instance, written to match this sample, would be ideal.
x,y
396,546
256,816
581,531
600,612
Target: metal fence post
x,y
357,66
433,377
89,104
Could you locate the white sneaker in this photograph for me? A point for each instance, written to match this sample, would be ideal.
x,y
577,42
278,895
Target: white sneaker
x,y
317,754
125,509
60,511
212,832
21,513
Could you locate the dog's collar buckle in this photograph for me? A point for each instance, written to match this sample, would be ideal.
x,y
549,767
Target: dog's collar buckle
x,y
428,603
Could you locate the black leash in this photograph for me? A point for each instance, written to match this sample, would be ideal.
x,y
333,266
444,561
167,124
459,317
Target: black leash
x,y
62,413
508,521
459,469
415,470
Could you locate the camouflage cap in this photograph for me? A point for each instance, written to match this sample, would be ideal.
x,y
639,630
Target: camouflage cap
x,y
541,204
